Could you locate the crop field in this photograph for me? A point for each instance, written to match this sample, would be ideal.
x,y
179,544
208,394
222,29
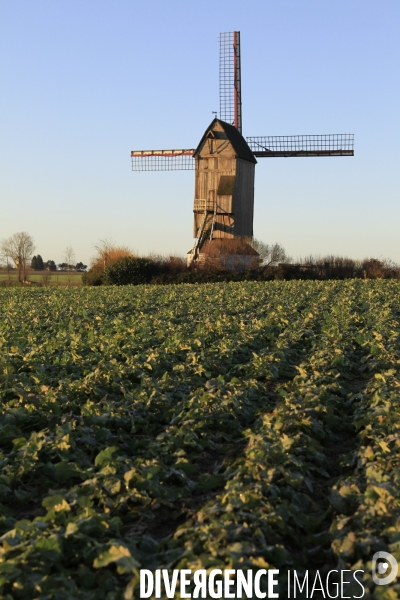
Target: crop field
x,y
240,425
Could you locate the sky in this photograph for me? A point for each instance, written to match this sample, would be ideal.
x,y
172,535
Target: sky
x,y
84,83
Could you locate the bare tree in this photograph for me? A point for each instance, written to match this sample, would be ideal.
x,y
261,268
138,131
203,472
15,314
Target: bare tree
x,y
5,259
270,254
69,257
107,252
19,247
103,249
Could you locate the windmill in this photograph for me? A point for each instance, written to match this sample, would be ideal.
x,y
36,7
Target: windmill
x,y
224,163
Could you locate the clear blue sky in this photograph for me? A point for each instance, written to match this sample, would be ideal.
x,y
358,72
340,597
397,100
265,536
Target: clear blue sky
x,y
84,83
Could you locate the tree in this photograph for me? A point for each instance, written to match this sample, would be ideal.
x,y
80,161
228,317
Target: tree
x,y
6,259
39,263
69,257
50,265
270,254
19,247
80,266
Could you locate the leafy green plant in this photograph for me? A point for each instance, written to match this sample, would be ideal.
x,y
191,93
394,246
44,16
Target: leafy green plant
x,y
224,425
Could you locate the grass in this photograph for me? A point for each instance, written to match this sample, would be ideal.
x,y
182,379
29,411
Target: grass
x,y
57,278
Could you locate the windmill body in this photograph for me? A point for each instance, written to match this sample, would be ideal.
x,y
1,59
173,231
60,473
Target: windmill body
x,y
224,188
224,164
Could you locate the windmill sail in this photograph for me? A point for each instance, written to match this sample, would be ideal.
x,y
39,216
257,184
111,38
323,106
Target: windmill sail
x,y
333,144
230,93
162,160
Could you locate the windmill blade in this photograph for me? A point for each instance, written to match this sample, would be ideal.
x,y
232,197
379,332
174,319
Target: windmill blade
x,y
230,93
162,160
332,144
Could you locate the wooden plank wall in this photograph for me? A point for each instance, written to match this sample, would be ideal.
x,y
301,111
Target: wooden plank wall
x,y
243,198
217,158
209,170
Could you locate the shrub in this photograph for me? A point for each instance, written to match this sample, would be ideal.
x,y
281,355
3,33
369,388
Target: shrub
x,y
374,268
94,276
107,253
129,270
160,270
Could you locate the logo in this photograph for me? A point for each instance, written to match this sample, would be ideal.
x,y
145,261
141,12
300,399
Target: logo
x,y
387,565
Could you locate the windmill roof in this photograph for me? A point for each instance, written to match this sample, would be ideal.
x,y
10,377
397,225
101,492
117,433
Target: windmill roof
x,y
238,142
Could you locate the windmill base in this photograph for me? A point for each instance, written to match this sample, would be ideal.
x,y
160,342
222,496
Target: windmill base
x,y
224,253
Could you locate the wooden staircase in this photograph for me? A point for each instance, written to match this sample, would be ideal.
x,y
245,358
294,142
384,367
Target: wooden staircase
x,y
204,232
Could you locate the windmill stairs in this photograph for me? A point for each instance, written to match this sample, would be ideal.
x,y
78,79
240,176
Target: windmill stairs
x,y
206,228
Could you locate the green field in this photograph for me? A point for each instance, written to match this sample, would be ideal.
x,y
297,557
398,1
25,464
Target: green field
x,y
45,278
238,425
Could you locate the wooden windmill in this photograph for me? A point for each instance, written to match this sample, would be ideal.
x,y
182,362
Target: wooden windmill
x,y
224,163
